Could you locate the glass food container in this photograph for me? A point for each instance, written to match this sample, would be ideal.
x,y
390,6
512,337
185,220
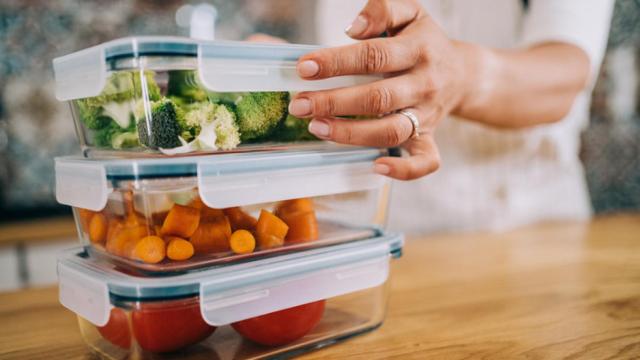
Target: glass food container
x,y
181,213
277,306
154,96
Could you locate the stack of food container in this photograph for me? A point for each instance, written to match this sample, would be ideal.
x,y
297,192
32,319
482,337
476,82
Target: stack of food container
x,y
213,224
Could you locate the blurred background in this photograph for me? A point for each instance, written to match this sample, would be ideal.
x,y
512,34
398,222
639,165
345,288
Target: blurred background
x,y
35,127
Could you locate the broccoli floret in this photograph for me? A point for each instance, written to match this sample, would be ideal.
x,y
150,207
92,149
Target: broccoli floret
x,y
184,85
215,125
124,86
116,137
92,117
124,140
114,101
102,137
259,113
293,129
165,126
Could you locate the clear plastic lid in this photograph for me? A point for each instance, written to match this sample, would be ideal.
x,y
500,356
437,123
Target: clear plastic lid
x,y
235,292
223,66
226,180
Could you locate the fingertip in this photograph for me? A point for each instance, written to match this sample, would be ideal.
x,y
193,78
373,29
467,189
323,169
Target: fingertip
x,y
308,68
358,27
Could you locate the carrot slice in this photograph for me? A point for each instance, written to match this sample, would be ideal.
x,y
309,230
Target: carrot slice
x,y
240,219
303,227
300,216
212,236
181,221
98,228
270,230
289,207
85,216
179,249
206,213
242,242
120,245
150,249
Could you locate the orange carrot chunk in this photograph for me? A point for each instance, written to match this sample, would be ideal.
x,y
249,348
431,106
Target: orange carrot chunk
x,y
150,249
179,249
120,243
212,236
181,221
270,230
98,228
290,207
85,216
300,216
242,242
302,227
206,213
240,219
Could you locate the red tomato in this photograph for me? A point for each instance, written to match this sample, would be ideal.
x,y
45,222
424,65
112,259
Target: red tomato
x,y
117,329
281,327
168,326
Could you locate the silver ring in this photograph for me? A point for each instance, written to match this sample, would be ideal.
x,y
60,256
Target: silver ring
x,y
414,121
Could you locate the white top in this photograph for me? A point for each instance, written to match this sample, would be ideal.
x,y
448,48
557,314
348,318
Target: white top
x,y
496,179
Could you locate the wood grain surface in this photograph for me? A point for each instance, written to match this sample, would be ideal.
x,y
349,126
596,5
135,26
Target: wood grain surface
x,y
37,231
552,291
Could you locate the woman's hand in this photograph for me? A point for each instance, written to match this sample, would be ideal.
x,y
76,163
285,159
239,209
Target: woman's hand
x,y
425,75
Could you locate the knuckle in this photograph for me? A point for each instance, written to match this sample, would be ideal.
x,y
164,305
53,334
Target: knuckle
x,y
374,57
344,134
323,104
379,100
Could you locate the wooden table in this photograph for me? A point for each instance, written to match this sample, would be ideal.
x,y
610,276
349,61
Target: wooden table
x,y
567,290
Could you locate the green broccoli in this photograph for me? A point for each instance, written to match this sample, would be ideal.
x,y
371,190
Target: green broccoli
x,y
102,137
214,124
114,103
258,113
125,140
293,129
92,116
116,137
184,85
164,127
124,86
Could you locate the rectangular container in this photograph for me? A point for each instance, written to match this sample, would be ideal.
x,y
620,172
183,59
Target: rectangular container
x,y
149,96
279,306
178,214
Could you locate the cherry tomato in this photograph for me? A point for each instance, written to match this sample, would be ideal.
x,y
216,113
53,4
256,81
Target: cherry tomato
x,y
117,329
169,325
281,327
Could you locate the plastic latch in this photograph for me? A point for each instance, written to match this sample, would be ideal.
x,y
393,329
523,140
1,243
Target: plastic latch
x,y
82,185
262,69
80,75
230,306
222,190
83,295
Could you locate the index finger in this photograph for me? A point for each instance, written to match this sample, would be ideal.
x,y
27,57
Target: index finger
x,y
366,57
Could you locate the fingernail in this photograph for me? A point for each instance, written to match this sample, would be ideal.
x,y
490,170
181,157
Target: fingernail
x,y
319,128
382,169
357,27
300,107
308,68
